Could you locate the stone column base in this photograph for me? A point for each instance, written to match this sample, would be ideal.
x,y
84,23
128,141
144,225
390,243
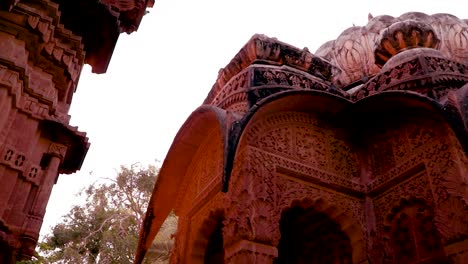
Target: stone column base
x,y
246,251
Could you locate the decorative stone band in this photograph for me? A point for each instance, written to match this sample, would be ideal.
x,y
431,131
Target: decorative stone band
x,y
259,81
424,71
261,49
98,23
34,98
60,48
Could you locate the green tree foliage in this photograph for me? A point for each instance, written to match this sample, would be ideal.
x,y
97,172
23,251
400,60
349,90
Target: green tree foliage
x,y
105,228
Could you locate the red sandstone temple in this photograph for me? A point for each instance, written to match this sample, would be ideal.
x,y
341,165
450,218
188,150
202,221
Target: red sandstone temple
x,y
43,46
354,154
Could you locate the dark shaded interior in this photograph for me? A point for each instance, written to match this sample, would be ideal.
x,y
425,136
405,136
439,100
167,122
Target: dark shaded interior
x,y
214,253
309,236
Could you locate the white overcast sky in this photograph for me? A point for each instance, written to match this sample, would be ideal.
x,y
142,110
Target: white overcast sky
x,y
161,73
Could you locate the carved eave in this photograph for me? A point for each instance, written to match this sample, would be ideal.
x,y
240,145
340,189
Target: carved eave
x,y
261,49
98,23
76,142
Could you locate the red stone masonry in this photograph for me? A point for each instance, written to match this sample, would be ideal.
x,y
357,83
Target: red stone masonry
x,y
43,46
357,154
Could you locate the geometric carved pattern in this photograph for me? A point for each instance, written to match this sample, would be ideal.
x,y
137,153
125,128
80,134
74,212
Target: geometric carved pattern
x,y
18,161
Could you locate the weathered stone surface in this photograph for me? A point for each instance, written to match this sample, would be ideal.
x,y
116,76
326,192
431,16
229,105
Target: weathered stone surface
x,y
43,46
361,160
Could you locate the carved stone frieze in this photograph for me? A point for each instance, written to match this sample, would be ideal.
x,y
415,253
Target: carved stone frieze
x,y
290,66
259,81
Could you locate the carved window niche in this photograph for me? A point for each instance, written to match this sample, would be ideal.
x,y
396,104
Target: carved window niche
x,y
13,158
33,174
413,236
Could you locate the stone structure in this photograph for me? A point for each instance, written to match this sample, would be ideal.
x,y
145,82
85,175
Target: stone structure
x,y
357,154
43,46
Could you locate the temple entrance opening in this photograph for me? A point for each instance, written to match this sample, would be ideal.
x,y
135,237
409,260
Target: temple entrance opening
x,y
309,236
208,248
214,253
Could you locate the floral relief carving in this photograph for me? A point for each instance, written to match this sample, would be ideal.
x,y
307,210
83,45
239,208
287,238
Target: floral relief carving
x,y
279,140
299,137
234,85
396,150
284,76
310,145
253,200
449,191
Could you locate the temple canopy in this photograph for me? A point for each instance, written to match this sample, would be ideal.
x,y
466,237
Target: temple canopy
x,y
339,139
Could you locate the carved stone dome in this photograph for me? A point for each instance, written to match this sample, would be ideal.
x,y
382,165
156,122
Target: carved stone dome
x,y
359,52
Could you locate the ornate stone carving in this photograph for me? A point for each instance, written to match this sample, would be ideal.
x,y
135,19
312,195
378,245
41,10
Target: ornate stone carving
x,y
300,137
420,70
392,181
261,194
403,35
353,51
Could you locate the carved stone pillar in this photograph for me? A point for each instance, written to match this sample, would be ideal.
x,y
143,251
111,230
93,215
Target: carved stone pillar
x,y
56,154
246,251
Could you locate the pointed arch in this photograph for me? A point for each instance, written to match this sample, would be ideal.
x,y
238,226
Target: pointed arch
x,y
317,224
198,126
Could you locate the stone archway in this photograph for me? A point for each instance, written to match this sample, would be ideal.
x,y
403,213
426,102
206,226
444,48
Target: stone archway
x,y
310,236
